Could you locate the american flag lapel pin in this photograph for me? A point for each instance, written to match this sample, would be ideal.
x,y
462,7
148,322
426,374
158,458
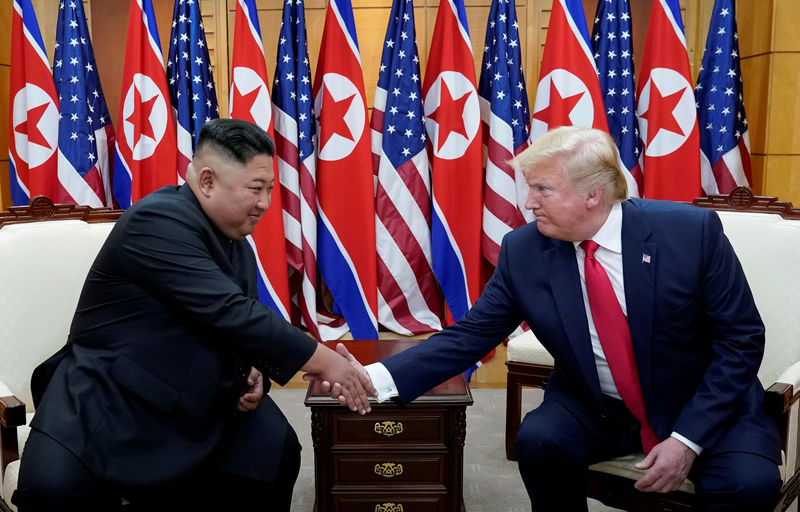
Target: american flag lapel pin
x,y
645,258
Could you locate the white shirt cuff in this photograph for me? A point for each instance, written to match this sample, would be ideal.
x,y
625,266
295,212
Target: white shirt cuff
x,y
382,380
696,448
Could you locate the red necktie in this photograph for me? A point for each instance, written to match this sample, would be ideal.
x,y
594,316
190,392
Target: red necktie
x,y
615,338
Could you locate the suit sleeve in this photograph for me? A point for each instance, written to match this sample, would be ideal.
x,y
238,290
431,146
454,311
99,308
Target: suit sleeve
x,y
737,341
165,251
446,354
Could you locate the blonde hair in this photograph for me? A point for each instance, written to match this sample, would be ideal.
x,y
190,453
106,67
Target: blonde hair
x,y
588,157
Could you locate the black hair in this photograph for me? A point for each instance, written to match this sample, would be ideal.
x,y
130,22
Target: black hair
x,y
235,139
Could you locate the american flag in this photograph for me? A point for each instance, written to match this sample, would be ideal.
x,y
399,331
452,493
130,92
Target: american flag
x,y
506,122
724,137
408,298
85,132
191,83
295,135
613,52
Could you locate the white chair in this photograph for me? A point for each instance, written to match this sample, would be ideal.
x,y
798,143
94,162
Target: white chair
x,y
45,253
765,233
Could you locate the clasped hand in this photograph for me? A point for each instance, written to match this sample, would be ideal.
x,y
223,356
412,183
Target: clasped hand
x,y
345,380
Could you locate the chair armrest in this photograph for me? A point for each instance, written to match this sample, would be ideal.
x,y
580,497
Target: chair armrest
x,y
12,412
780,396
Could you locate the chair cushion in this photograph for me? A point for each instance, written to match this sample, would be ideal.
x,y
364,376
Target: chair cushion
x,y
10,475
624,467
525,348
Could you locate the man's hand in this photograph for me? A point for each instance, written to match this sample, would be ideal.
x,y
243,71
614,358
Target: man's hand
x,y
667,466
255,390
351,383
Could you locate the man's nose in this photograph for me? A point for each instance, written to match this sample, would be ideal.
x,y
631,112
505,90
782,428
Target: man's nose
x,y
532,201
265,200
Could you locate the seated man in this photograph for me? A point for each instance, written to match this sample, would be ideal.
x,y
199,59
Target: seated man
x,y
655,335
158,395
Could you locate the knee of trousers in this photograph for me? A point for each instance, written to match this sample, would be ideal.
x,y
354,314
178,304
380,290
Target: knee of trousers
x,y
752,491
538,444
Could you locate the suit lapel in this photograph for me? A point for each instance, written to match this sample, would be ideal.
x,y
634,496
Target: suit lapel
x,y
639,260
566,289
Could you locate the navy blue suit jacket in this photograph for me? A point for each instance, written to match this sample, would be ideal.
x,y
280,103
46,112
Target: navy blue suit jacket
x,y
166,329
697,336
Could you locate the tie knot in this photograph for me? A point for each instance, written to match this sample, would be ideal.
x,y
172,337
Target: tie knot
x,y
590,246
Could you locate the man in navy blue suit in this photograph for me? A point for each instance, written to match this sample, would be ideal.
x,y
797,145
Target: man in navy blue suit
x,y
697,338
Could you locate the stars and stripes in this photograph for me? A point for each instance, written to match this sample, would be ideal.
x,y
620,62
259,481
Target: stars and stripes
x,y
85,133
506,117
33,112
191,83
408,298
345,188
295,134
613,52
666,109
250,101
724,136
452,120
145,156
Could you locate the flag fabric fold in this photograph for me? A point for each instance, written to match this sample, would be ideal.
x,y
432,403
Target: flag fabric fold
x,y
250,101
506,121
85,133
724,135
408,297
145,153
666,109
295,135
613,52
33,112
191,82
568,93
345,189
452,120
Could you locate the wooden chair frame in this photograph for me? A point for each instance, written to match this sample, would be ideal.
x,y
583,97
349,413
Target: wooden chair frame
x,y
41,208
619,492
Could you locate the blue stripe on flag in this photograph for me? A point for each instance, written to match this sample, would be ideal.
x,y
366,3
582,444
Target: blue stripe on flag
x,y
18,194
31,25
121,181
343,283
346,12
152,27
448,268
575,11
675,10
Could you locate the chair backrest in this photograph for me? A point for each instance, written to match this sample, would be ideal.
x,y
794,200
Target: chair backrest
x,y
45,253
765,233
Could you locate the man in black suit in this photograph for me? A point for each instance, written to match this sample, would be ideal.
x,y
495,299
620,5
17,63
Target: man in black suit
x,y
159,394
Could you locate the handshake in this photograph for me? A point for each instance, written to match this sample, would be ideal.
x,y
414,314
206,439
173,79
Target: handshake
x,y
341,376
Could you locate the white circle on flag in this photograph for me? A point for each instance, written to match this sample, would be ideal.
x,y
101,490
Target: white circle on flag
x,y
340,88
566,85
27,99
458,86
246,80
149,92
668,81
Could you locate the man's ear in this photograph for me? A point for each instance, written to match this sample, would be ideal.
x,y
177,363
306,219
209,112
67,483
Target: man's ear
x,y
594,197
205,181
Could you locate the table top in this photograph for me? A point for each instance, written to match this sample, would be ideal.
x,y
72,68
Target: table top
x,y
454,390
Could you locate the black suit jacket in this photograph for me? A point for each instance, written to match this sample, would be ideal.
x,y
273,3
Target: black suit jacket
x,y
697,336
166,329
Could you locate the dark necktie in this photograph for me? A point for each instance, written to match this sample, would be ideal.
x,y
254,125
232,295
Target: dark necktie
x,y
615,338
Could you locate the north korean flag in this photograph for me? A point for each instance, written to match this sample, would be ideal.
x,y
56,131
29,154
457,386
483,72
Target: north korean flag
x,y
33,119
345,189
250,101
146,149
666,110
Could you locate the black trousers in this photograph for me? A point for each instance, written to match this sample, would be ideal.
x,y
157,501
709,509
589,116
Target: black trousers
x,y
554,450
52,479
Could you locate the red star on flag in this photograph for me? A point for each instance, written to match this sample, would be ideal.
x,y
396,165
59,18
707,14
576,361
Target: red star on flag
x,y
334,112
30,127
658,105
141,110
449,115
558,109
248,99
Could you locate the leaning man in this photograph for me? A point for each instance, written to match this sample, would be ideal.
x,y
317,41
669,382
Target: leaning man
x,y
158,397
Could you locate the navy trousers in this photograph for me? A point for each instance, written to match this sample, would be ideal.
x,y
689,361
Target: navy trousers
x,y
555,448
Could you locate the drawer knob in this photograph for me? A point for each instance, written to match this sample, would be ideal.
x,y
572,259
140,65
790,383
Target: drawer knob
x,y
388,507
388,469
388,428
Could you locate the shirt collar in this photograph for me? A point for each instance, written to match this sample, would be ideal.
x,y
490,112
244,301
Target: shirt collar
x,y
609,236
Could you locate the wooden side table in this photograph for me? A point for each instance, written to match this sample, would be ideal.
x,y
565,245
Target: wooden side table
x,y
397,458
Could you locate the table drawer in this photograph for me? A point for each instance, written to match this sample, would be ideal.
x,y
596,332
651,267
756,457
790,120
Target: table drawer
x,y
389,502
388,470
395,428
